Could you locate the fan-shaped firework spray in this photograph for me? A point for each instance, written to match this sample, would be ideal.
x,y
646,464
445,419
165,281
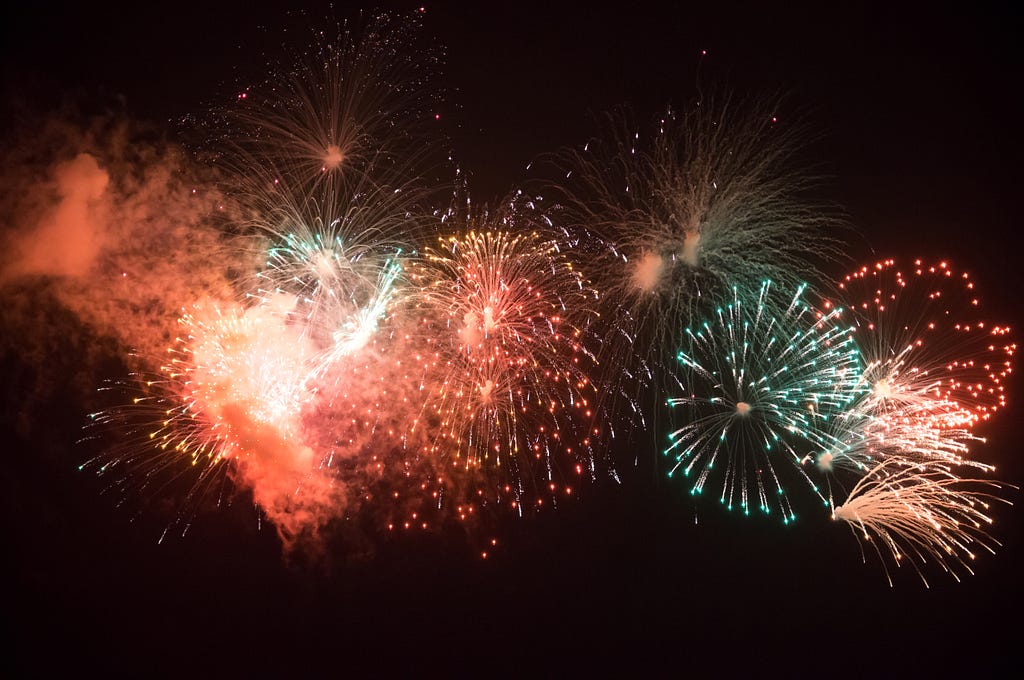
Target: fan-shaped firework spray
x,y
920,513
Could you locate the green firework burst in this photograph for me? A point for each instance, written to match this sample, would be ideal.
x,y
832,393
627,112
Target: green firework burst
x,y
762,387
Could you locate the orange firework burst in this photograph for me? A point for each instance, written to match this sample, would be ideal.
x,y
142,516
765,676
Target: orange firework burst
x,y
507,397
924,336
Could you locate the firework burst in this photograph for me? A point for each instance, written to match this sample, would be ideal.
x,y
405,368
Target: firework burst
x,y
355,105
762,389
920,513
324,158
935,368
707,203
508,399
363,369
230,402
340,297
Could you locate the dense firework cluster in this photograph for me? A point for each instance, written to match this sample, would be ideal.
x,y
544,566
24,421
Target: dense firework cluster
x,y
375,351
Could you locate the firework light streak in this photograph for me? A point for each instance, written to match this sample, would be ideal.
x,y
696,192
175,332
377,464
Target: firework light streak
x,y
340,299
354,334
762,388
921,513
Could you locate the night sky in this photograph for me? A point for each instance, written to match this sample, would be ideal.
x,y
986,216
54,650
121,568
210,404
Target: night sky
x,y
918,111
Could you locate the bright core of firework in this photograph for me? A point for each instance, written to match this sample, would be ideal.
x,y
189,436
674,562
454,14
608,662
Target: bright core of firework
x,y
333,158
237,377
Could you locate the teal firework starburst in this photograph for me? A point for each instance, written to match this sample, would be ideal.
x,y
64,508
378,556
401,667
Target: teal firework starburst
x,y
762,387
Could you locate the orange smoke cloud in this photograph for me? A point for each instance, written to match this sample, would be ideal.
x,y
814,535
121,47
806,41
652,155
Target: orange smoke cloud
x,y
68,239
121,231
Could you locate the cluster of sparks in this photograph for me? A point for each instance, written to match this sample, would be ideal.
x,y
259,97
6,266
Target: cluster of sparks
x,y
484,366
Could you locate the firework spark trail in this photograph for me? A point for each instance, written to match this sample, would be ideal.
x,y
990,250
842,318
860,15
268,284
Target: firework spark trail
x,y
354,333
857,440
507,396
153,436
709,202
921,513
762,389
934,368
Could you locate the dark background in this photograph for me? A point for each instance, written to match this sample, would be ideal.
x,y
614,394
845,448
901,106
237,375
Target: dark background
x,y
919,110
